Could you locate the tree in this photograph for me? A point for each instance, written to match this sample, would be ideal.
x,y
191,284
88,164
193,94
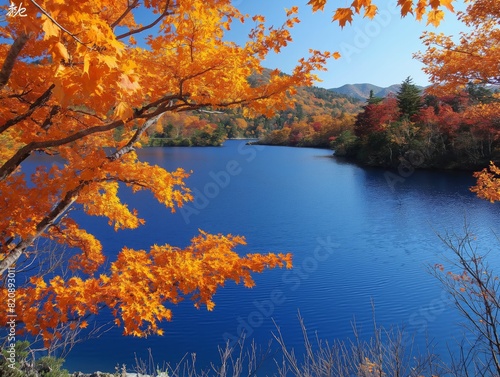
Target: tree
x,y
70,77
376,117
473,58
84,82
409,99
373,99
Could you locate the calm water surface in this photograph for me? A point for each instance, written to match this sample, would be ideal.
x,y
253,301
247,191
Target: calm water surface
x,y
355,241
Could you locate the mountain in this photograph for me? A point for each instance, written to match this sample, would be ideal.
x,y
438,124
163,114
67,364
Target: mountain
x,y
383,92
362,91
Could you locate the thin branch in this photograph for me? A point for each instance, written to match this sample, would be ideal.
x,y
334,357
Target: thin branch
x,y
124,14
86,113
25,151
210,111
42,226
130,145
135,31
457,50
40,101
48,121
11,58
58,24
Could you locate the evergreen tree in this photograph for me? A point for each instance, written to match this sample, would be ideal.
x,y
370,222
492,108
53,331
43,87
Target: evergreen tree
x,y
373,100
479,94
409,99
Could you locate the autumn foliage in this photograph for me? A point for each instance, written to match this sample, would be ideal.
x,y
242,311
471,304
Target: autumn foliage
x,y
72,75
85,81
445,132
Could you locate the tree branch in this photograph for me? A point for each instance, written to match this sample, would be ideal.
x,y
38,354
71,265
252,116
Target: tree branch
x,y
124,14
135,31
11,58
130,145
40,101
48,121
58,24
25,151
42,226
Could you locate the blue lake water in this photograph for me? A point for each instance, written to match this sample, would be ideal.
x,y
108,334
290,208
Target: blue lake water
x,y
355,240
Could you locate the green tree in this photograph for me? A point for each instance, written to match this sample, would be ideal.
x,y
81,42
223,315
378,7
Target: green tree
x,y
373,99
409,99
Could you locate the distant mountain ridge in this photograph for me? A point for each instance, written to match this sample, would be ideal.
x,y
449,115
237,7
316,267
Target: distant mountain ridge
x,y
362,91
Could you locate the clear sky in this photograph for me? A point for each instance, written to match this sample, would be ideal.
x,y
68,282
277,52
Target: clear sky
x,y
375,51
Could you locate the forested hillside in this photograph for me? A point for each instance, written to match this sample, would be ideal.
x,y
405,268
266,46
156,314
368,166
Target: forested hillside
x,y
314,111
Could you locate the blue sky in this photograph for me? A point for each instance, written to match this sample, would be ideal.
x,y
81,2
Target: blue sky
x,y
375,51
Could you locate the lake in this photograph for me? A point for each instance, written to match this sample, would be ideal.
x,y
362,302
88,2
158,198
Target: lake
x,y
359,236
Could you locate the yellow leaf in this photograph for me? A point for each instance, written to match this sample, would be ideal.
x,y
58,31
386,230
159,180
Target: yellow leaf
x,y
123,111
420,10
86,63
127,84
448,4
50,29
317,4
434,17
371,11
59,52
110,61
406,6
336,55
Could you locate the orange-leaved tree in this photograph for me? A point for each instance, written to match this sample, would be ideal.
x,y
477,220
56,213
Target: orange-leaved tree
x,y
71,74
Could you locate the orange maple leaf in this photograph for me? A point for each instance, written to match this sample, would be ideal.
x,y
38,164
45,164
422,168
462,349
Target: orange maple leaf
x,y
343,15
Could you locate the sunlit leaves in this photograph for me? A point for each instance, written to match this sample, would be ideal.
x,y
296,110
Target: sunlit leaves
x,y
406,6
343,15
448,4
488,183
435,17
123,111
50,28
453,61
140,285
83,91
317,4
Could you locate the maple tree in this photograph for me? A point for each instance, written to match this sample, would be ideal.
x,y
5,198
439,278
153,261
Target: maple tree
x,y
72,73
376,117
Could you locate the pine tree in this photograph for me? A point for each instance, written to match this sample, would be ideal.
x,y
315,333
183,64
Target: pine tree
x,y
409,99
372,99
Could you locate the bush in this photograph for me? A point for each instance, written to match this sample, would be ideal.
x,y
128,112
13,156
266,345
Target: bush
x,y
21,366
